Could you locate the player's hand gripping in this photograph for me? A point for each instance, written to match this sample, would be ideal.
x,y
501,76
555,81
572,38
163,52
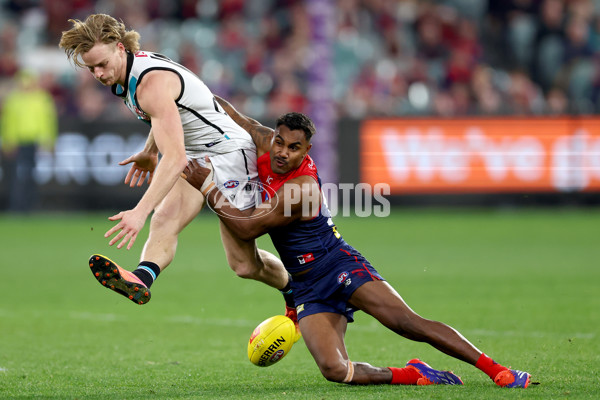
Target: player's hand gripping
x,y
200,177
144,163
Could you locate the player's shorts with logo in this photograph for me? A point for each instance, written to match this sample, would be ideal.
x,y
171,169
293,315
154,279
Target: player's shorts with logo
x,y
235,174
333,278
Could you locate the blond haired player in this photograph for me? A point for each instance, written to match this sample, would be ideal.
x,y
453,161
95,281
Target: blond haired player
x,y
185,123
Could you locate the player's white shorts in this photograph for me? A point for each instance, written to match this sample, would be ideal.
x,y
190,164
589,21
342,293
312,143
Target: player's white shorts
x,y
236,175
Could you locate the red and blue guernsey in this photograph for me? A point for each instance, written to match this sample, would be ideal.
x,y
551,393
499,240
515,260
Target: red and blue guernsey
x,y
325,269
302,242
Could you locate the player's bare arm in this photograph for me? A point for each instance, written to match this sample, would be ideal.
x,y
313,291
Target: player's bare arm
x,y
156,96
261,135
143,163
297,199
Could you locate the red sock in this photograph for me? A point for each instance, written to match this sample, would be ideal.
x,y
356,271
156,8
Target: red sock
x,y
404,376
489,366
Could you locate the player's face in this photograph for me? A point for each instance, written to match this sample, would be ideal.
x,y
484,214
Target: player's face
x,y
288,149
107,62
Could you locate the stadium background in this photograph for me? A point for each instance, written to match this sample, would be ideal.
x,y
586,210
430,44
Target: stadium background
x,y
487,105
344,63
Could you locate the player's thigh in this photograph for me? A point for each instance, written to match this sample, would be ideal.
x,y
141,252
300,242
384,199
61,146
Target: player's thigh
x,y
380,299
240,253
323,334
179,207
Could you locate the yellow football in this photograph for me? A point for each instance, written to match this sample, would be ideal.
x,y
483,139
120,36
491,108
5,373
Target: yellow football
x,y
271,340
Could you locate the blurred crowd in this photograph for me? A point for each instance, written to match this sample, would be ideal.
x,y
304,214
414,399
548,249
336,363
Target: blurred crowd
x,y
390,57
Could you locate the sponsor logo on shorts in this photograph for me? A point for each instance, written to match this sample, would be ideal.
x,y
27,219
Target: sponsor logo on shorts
x,y
342,277
305,258
231,184
300,308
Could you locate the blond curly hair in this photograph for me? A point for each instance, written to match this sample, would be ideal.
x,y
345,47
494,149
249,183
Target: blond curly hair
x,y
97,28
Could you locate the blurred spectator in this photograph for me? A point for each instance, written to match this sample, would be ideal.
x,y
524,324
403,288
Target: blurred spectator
x,y
488,100
524,97
8,50
549,43
258,52
557,102
27,121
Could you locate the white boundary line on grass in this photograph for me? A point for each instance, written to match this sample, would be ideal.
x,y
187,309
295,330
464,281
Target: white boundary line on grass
x,y
245,323
192,320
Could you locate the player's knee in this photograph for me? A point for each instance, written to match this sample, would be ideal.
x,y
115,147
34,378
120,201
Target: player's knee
x,y
334,371
163,216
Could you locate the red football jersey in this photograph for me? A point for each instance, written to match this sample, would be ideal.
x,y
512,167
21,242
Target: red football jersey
x,y
271,181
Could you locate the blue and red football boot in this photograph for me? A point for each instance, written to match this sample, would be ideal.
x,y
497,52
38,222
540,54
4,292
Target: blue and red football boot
x,y
512,378
430,376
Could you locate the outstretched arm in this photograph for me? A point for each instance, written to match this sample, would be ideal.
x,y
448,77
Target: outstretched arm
x,y
156,95
261,135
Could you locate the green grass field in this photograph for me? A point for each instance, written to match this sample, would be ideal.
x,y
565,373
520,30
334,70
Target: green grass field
x,y
522,285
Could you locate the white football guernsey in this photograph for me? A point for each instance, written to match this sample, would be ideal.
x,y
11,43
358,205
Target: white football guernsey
x,y
207,129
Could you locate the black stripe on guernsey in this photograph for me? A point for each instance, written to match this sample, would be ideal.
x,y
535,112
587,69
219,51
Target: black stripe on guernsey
x,y
207,122
113,88
158,69
245,162
164,58
161,57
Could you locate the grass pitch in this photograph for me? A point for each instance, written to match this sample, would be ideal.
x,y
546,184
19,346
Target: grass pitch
x,y
522,285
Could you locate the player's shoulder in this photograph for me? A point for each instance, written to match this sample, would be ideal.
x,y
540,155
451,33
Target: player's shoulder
x,y
149,56
155,88
308,168
301,185
309,164
144,62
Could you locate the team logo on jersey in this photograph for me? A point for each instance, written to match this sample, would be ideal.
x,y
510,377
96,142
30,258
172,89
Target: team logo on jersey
x,y
139,113
231,184
269,179
342,277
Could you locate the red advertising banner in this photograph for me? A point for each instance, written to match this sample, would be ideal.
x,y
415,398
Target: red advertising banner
x,y
481,155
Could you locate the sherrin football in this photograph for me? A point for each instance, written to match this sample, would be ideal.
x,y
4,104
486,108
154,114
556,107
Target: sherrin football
x,y
271,341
